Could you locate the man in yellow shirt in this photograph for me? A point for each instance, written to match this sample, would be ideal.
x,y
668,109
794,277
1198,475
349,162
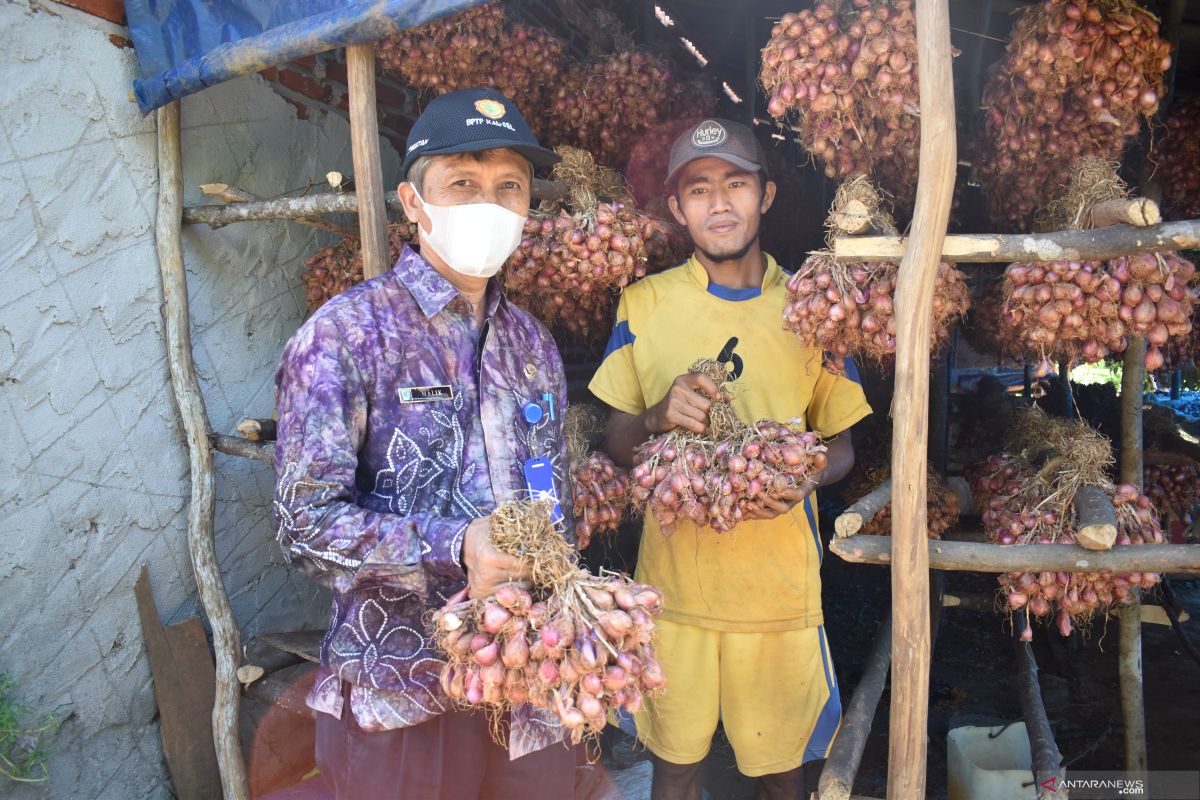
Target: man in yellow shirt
x,y
741,637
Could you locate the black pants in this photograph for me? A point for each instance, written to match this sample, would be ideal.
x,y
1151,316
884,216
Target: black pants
x,y
451,757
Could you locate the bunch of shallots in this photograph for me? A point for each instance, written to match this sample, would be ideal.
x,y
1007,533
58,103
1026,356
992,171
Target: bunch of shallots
x,y
1174,489
476,47
600,487
1078,77
332,270
605,106
1158,295
849,77
986,330
577,644
848,309
941,504
1176,154
710,479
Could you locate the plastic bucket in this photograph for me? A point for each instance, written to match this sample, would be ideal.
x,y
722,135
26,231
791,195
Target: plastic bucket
x,y
980,767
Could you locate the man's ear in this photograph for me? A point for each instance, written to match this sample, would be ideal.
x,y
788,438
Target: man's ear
x,y
768,197
673,204
412,207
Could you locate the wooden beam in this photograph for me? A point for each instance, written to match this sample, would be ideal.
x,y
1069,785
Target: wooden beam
x,y
986,557
1047,760
1096,244
302,208
908,734
845,755
232,194
1129,646
186,387
1097,518
860,512
364,145
237,446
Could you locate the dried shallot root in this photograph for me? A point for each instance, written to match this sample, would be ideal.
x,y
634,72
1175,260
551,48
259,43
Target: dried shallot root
x,y
711,479
601,488
577,644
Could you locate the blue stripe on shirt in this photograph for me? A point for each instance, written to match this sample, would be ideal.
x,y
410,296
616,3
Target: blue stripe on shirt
x,y
621,336
735,295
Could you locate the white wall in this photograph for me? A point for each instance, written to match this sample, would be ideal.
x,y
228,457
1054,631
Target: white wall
x,y
93,462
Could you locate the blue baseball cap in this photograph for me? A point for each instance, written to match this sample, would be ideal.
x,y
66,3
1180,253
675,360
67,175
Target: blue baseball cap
x,y
470,120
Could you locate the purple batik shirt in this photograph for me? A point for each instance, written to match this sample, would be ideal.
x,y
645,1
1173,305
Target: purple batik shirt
x,y
400,421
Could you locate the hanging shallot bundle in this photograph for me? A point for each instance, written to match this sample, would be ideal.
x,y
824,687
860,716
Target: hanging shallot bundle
x,y
710,479
332,270
601,488
1174,489
578,644
847,73
1176,154
1078,77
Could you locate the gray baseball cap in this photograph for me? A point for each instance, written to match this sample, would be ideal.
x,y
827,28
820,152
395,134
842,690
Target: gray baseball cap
x,y
729,141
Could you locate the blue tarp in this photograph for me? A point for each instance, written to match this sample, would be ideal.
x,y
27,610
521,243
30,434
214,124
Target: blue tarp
x,y
184,46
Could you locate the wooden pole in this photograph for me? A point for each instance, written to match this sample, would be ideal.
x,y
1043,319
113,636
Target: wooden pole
x,y
860,512
195,423
845,755
1097,518
302,209
908,735
1129,648
1095,244
986,557
368,174
237,446
1047,760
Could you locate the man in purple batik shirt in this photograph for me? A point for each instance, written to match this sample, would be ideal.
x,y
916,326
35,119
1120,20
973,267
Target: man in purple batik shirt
x,y
409,407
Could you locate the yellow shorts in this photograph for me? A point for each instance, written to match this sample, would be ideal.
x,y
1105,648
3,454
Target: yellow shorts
x,y
775,693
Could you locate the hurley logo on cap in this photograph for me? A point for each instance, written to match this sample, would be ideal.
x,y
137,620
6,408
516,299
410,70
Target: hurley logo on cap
x,y
708,134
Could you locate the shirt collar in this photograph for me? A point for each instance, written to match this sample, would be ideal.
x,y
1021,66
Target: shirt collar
x,y
699,274
430,289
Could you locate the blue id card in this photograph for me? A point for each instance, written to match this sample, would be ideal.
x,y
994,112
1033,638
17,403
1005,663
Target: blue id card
x,y
539,480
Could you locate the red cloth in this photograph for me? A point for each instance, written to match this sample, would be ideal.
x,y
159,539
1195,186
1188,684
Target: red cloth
x,y
450,757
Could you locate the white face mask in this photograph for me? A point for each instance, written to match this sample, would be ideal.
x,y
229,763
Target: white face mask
x,y
474,239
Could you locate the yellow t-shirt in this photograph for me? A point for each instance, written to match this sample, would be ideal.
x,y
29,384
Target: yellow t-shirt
x,y
764,575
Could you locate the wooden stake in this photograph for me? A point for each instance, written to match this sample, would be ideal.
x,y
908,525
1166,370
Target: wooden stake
x,y
368,174
237,446
1095,245
845,755
1136,211
1097,519
853,518
986,557
1047,760
1129,648
257,430
195,423
908,735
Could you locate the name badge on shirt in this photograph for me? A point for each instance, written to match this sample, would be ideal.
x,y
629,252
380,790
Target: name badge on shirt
x,y
539,480
426,394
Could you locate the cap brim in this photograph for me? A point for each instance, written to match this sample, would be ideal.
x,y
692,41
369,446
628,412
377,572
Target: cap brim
x,y
538,156
737,161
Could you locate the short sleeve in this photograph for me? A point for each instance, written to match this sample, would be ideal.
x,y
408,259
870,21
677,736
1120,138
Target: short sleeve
x,y
616,381
837,402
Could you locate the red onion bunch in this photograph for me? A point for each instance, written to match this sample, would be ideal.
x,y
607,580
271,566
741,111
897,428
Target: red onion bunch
x,y
1176,153
986,331
1158,296
332,270
1063,310
941,506
1174,488
849,309
1078,77
605,106
580,653
601,490
476,47
850,81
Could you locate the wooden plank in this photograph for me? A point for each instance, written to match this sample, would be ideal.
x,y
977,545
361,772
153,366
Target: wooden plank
x,y
1129,645
984,557
1004,248
911,645
186,388
184,685
306,644
364,143
845,755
